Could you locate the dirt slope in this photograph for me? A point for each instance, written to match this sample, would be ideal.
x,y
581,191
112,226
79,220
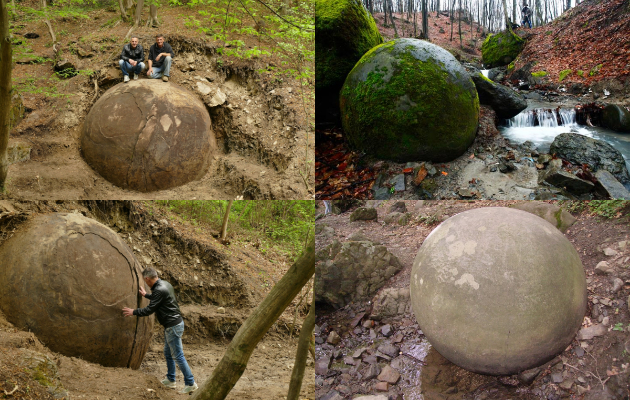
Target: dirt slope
x,y
206,275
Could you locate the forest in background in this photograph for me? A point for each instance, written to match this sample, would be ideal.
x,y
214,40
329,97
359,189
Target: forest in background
x,y
487,13
280,225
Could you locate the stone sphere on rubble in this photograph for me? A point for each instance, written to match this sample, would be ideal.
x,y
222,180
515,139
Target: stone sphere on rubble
x,y
147,135
498,290
66,278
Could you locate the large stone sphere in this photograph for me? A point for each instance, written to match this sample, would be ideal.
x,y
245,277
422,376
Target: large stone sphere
x,y
66,278
409,100
148,135
344,31
498,290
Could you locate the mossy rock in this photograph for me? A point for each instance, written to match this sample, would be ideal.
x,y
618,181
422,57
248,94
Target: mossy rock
x,y
501,49
344,31
409,100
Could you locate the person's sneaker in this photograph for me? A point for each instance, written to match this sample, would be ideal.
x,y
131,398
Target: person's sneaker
x,y
135,76
126,78
165,78
168,384
189,389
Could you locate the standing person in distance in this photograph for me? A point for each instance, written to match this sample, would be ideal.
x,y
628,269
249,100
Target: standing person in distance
x,y
164,304
527,15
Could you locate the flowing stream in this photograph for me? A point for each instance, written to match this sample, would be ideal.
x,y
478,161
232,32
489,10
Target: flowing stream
x,y
523,127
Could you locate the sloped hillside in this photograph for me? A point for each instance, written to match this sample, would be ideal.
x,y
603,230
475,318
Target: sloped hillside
x,y
587,44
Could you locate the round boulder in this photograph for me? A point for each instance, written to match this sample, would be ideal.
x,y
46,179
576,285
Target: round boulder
x,y
148,135
616,118
66,278
409,100
344,31
498,290
501,49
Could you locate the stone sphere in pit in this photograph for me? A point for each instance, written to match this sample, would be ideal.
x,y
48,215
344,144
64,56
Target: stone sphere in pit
x,y
498,290
147,135
66,278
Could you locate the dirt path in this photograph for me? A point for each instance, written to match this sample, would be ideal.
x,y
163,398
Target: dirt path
x,y
596,368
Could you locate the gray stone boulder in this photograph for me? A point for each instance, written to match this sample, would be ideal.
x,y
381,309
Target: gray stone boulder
x,y
353,271
497,74
364,214
569,182
397,218
504,101
609,186
494,276
398,206
391,302
616,118
409,100
579,149
551,213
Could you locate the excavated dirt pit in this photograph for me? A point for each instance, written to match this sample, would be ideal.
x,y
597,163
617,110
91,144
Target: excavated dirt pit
x,y
260,122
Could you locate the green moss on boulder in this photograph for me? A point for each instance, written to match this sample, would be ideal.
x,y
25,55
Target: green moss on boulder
x,y
539,74
344,31
501,49
409,100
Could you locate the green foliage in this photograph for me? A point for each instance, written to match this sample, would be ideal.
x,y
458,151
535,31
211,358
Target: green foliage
x,y
618,327
609,208
595,70
279,224
564,73
580,73
539,74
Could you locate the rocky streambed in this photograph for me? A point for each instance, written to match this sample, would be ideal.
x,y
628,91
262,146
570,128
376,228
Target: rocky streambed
x,y
369,345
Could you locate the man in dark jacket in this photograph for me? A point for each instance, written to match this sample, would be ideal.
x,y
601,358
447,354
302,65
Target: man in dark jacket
x,y
527,15
131,59
164,304
160,57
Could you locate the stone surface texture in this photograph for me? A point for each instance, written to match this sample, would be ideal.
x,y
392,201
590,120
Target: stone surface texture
x,y
147,135
66,278
498,290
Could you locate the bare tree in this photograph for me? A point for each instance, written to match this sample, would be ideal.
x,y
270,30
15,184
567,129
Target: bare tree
x,y
508,26
233,364
137,18
5,90
425,20
226,216
304,341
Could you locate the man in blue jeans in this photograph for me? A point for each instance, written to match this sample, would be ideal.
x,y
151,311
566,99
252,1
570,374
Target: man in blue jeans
x,y
164,304
131,59
160,57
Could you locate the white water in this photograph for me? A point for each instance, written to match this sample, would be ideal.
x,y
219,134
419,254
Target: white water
x,y
521,129
485,72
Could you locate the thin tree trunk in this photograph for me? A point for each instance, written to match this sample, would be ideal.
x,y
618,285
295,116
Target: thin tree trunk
x,y
231,367
514,7
391,15
13,9
508,27
5,91
123,11
461,46
304,341
137,18
425,19
452,18
226,216
152,20
50,28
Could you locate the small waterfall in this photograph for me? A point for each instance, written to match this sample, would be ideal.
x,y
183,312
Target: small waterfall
x,y
545,118
485,72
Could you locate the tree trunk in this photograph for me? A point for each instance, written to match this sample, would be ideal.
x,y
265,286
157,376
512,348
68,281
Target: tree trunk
x,y
226,216
137,18
231,367
461,46
452,18
5,90
514,7
123,11
391,15
50,28
508,27
301,354
152,20
13,9
425,19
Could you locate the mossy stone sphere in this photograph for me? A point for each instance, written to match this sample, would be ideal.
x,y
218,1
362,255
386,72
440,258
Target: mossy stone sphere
x,y
501,49
344,31
409,100
498,290
66,278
